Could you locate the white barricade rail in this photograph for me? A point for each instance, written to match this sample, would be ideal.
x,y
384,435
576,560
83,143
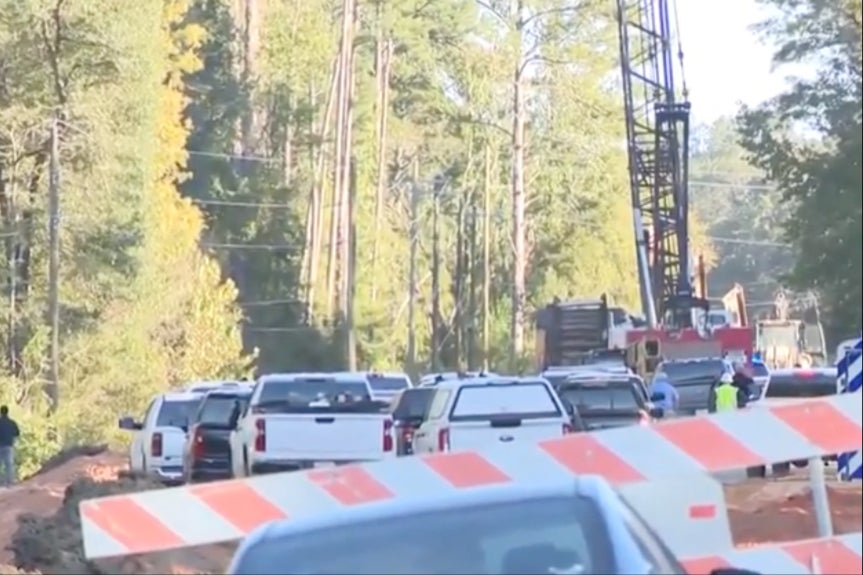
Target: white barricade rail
x,y
849,370
209,513
828,556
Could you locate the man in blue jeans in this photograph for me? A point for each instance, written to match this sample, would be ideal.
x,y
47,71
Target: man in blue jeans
x,y
9,433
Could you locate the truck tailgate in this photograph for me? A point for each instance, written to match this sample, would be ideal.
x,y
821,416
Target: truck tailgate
x,y
325,437
479,434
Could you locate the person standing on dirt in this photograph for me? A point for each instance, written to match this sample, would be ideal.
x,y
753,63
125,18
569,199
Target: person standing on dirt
x,y
9,434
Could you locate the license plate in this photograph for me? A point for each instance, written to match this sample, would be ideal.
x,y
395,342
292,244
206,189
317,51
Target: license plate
x,y
318,464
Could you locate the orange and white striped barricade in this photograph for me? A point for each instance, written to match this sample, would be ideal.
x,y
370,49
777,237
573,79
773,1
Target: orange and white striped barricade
x,y
842,554
209,513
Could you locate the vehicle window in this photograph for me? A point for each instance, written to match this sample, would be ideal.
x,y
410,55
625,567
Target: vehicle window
x,y
759,370
313,395
388,383
177,413
524,400
438,403
784,335
617,397
692,372
801,384
563,534
659,558
413,404
217,409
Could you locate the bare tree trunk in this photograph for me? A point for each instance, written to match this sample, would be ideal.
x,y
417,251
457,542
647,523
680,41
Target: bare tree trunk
x,y
382,74
338,223
346,220
336,196
251,47
314,220
519,264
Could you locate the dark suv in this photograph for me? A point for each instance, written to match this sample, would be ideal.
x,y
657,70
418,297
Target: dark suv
x,y
605,400
409,410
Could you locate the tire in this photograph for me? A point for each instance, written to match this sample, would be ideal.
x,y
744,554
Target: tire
x,y
801,463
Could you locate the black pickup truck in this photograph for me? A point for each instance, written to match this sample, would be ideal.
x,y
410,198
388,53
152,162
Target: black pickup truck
x,y
207,453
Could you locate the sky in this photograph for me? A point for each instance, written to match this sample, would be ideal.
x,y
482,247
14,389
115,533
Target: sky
x,y
724,61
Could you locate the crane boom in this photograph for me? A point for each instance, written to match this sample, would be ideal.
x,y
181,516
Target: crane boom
x,y
657,131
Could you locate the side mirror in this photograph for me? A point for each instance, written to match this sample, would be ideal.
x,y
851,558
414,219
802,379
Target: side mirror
x,y
657,412
657,396
129,424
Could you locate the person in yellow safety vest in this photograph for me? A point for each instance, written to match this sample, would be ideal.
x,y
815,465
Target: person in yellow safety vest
x,y
724,395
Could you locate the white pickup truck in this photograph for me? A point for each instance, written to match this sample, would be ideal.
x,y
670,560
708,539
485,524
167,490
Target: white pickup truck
x,y
156,448
298,421
476,412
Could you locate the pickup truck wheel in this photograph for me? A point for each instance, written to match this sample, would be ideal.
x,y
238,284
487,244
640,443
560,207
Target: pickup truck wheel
x,y
800,463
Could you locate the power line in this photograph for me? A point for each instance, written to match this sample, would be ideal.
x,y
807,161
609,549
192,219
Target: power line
x,y
762,243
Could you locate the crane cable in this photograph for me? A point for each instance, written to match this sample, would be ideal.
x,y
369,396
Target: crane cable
x,y
679,49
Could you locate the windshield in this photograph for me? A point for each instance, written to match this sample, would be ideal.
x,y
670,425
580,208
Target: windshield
x,y
388,383
177,413
566,535
217,409
521,400
683,372
314,395
616,397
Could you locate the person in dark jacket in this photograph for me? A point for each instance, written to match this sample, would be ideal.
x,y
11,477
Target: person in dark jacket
x,y
744,384
9,433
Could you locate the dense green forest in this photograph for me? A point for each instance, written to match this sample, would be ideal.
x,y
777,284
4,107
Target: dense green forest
x,y
240,181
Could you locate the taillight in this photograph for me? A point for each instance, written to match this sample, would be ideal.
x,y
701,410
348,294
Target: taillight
x,y
156,445
443,439
197,444
567,428
387,438
260,434
407,434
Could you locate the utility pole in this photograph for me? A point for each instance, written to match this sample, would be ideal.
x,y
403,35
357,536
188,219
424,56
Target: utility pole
x,y
472,307
53,387
435,351
350,268
486,254
412,273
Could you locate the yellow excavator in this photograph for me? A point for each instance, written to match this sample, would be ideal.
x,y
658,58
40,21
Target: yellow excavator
x,y
785,342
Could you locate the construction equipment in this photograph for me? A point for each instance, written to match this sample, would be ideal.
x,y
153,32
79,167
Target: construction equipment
x,y
567,332
784,341
657,129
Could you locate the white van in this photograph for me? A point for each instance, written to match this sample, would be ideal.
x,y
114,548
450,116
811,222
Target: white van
x,y
473,413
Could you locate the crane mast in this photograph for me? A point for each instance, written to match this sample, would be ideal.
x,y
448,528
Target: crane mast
x,y
657,132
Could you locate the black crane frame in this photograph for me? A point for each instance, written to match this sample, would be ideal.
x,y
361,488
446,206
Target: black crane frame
x,y
657,130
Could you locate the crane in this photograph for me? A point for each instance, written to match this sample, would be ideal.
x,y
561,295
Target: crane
x,y
657,132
